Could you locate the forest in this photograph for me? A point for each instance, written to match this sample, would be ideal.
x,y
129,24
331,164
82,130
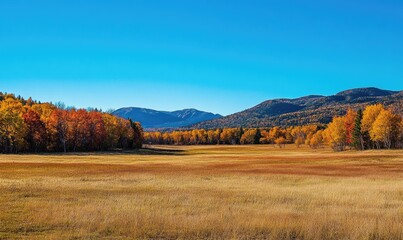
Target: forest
x,y
31,126
373,128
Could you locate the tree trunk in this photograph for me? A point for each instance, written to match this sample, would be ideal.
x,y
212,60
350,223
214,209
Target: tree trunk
x,y
362,142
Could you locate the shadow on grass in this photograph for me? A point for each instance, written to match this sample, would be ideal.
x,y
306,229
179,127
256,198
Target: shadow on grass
x,y
146,150
159,151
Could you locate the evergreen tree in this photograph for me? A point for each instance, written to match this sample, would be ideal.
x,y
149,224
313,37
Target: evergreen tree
x,y
357,138
257,136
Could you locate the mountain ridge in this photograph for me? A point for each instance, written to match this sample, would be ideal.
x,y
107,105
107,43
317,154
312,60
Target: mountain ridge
x,y
311,109
150,118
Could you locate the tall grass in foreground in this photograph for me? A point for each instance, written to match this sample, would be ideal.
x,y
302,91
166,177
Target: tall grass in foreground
x,y
83,201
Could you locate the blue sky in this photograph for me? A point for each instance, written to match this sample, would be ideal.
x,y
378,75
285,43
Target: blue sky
x,y
219,56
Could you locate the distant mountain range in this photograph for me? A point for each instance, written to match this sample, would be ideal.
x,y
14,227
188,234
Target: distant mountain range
x,y
153,119
313,109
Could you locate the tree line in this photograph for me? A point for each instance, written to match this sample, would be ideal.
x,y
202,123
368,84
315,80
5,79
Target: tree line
x,y
276,135
375,127
30,126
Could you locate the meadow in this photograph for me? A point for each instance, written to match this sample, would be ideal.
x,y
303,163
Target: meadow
x,y
203,192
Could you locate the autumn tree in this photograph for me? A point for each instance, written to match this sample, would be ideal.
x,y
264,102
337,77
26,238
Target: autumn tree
x,y
44,110
213,136
167,139
264,139
58,128
125,133
12,126
112,132
274,133
298,135
35,137
335,134
349,124
228,136
239,135
96,130
289,138
368,118
381,129
138,139
249,136
316,140
78,134
12,132
280,142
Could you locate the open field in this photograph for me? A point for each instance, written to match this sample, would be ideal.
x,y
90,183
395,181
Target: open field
x,y
203,192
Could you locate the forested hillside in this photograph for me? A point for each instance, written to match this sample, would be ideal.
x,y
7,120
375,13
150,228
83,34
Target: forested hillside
x,y
374,128
30,126
312,109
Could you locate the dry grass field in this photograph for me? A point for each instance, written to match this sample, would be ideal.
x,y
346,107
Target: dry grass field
x,y
203,192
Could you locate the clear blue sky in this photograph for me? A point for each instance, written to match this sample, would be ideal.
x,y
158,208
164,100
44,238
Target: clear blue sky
x,y
219,56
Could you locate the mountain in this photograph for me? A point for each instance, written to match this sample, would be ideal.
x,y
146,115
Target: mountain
x,y
313,109
163,119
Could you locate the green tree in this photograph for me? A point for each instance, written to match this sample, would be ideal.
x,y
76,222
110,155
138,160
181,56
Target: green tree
x,y
357,138
258,135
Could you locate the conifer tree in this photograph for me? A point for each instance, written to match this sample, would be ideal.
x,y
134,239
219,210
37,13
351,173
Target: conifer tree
x,y
239,135
357,138
257,136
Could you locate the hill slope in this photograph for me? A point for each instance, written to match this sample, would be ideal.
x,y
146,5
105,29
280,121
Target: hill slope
x,y
162,119
313,109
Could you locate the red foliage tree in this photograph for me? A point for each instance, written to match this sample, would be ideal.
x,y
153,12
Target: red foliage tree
x,y
36,131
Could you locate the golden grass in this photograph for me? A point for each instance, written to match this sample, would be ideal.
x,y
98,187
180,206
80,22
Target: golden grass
x,y
203,192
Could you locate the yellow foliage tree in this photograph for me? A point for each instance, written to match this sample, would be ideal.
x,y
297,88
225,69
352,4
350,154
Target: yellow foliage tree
x,y
381,130
280,142
249,136
316,140
335,134
369,116
12,131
